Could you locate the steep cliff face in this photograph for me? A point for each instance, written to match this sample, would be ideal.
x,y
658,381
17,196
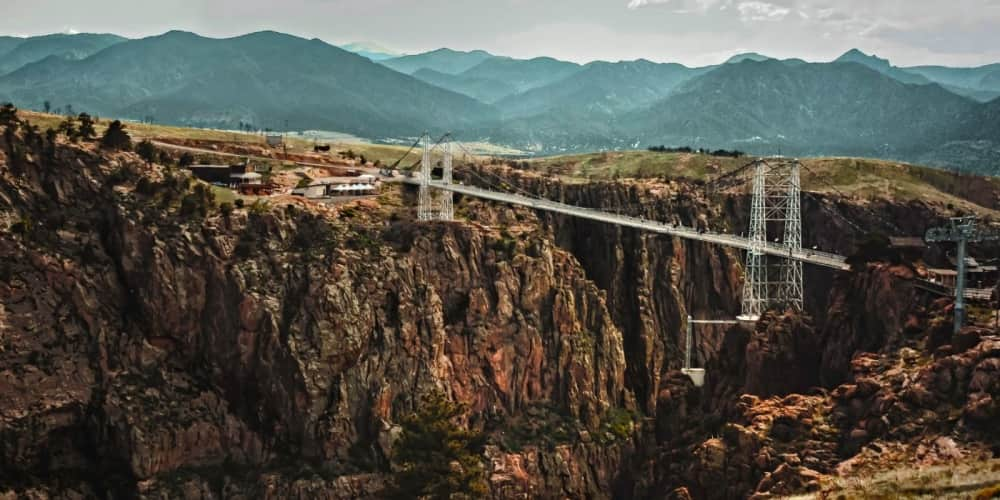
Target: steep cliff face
x,y
270,352
776,428
769,424
148,349
652,282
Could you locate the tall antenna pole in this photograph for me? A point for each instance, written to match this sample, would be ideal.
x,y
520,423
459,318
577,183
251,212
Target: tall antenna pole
x,y
961,231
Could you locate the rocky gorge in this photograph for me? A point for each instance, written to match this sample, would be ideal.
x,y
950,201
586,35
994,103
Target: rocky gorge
x,y
154,345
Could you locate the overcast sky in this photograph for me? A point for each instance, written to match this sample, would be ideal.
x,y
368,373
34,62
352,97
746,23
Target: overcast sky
x,y
694,32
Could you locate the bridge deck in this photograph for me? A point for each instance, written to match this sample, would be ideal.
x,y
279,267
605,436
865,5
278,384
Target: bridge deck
x,y
824,259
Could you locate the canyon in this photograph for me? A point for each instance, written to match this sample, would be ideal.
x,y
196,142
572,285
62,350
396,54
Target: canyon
x,y
272,351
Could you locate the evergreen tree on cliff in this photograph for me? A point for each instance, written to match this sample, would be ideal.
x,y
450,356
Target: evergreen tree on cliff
x,y
147,151
8,115
116,137
435,458
86,130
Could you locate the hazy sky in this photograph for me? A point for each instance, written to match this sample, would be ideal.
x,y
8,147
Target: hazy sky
x,y
695,32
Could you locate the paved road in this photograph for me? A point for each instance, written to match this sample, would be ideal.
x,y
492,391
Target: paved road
x,y
824,259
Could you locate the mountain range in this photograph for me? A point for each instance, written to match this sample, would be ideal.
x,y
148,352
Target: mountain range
x,y
858,104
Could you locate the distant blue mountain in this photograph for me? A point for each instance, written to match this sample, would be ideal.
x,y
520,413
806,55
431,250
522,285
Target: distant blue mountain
x,y
370,50
263,78
858,105
29,50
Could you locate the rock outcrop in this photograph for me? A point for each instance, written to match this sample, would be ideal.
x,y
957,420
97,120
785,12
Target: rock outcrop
x,y
154,346
269,352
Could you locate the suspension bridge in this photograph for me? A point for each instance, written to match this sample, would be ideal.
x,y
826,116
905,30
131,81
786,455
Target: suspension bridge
x,y
773,271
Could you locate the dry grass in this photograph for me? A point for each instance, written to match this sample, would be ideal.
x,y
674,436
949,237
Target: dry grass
x,y
861,179
384,153
296,145
974,479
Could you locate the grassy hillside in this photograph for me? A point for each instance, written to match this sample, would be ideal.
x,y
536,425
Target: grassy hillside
x,y
979,480
854,177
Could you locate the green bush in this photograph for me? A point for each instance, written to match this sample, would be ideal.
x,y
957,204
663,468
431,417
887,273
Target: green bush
x,y
436,458
199,202
86,130
147,151
116,138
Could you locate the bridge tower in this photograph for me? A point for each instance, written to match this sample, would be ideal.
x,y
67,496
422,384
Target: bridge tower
x,y
435,204
447,198
425,209
776,203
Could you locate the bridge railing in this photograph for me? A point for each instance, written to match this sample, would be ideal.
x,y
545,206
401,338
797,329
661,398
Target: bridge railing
x,y
806,255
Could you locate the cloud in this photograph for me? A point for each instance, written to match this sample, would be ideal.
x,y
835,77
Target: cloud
x,y
686,6
635,4
761,11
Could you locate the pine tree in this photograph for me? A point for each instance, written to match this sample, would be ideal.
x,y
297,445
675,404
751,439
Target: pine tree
x,y
116,137
86,130
8,116
147,151
436,458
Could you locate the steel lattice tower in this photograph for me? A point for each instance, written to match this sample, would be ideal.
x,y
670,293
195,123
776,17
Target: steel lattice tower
x,y
435,204
425,210
755,279
446,198
776,201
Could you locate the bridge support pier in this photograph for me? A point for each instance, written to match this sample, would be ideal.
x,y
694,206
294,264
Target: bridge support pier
x,y
425,210
776,200
447,198
435,204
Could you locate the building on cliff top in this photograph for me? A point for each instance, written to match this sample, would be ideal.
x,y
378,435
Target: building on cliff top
x,y
233,176
323,187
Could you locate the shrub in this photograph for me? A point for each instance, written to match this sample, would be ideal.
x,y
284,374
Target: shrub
x,y
86,130
8,116
147,151
144,186
436,458
68,128
198,202
116,137
259,208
